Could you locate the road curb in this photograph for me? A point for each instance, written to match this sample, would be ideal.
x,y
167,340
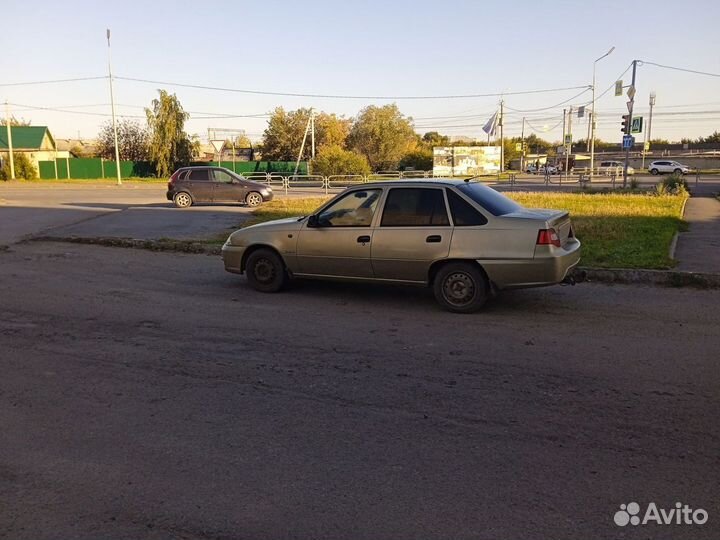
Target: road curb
x,y
662,278
177,246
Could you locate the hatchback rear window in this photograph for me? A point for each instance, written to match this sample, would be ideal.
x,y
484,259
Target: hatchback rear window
x,y
494,202
199,174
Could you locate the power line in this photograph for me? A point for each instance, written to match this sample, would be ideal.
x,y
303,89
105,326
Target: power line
x,y
643,62
54,81
334,96
550,107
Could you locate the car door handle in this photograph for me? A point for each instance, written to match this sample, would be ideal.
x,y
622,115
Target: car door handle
x,y
363,239
433,239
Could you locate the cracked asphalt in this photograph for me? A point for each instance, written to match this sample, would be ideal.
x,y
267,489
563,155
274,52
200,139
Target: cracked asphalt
x,y
151,395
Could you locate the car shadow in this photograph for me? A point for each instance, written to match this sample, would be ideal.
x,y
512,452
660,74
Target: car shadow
x,y
125,206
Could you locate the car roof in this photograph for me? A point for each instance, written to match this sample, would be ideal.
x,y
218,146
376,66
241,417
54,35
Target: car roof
x,y
419,182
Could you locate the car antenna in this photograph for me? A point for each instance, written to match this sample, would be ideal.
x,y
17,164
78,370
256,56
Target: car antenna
x,y
472,178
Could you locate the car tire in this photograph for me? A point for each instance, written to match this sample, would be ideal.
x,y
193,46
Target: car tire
x,y
266,271
460,287
182,199
654,171
253,199
678,171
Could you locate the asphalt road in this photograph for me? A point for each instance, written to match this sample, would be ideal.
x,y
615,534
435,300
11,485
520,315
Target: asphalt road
x,y
152,396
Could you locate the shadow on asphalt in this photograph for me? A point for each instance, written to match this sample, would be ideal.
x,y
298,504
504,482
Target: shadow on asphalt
x,y
119,206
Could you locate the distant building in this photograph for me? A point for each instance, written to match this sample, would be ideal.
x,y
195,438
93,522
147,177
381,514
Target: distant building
x,y
35,142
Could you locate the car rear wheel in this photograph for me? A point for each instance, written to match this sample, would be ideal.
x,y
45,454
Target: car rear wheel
x,y
266,271
182,199
460,287
654,171
253,199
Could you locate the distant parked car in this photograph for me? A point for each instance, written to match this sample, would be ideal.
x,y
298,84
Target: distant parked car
x,y
552,169
190,185
614,167
462,238
668,167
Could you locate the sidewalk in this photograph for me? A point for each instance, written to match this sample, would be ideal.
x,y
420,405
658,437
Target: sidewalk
x,y
698,250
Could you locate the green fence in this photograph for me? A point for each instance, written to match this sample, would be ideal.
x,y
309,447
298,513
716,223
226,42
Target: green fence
x,y
87,168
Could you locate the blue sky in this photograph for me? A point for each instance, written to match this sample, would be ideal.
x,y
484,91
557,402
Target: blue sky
x,y
365,48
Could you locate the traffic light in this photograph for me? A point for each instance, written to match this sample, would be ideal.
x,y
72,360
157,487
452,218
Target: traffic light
x,y
626,123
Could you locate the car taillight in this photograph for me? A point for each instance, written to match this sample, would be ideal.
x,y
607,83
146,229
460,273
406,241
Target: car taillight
x,y
547,237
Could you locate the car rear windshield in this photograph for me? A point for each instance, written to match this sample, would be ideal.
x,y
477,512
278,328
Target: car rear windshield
x,y
492,201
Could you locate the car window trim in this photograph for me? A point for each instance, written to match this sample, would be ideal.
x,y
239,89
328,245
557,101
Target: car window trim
x,y
387,194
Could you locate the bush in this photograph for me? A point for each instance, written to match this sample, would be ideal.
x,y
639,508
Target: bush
x,y
419,160
675,184
334,159
24,168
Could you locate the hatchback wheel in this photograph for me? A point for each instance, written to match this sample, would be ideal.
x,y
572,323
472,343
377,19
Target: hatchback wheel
x,y
182,199
460,287
253,199
654,171
266,271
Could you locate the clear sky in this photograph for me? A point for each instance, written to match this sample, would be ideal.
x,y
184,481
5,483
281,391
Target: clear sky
x,y
369,48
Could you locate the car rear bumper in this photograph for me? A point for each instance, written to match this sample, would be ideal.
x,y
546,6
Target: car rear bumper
x,y
549,267
232,258
170,195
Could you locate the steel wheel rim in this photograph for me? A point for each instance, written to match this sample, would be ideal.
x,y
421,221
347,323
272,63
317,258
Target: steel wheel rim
x,y
459,288
264,271
183,199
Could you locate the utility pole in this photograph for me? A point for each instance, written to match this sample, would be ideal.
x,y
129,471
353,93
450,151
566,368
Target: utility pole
x,y
564,128
522,146
312,121
302,146
569,144
114,124
628,128
9,139
592,116
648,131
502,139
588,135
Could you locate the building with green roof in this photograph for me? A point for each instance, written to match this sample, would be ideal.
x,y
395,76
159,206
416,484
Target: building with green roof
x,y
34,141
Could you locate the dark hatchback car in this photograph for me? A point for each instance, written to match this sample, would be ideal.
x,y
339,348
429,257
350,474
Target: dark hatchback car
x,y
190,185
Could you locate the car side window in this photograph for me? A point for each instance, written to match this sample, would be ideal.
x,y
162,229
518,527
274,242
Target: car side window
x,y
463,214
199,175
415,207
222,176
356,209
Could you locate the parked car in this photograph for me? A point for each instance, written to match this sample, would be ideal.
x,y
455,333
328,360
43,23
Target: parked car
x,y
462,238
190,185
614,167
552,169
664,166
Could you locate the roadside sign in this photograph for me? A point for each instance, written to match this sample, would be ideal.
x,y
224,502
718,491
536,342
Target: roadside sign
x,y
637,124
647,146
618,88
518,147
218,144
568,138
629,105
560,150
631,93
628,141
581,111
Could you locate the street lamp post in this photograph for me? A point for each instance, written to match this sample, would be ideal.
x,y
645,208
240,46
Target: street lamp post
x,y
648,131
112,108
592,116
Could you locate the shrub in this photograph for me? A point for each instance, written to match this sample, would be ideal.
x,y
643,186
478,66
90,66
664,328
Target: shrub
x,y
420,160
334,159
675,184
23,167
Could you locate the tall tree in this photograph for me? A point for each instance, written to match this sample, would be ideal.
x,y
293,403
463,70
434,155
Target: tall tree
x,y
383,135
170,146
14,122
133,141
283,136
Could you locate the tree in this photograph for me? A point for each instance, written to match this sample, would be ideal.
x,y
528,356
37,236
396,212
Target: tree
x,y
420,159
283,136
170,146
334,159
383,135
133,141
433,138
23,167
15,122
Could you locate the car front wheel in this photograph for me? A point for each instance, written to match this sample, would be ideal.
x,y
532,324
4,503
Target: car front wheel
x,y
266,271
678,171
182,199
253,199
654,171
460,287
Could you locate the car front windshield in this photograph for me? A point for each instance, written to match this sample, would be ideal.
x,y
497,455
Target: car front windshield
x,y
494,202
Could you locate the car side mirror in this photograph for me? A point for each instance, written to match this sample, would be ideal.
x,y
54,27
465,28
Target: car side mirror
x,y
313,221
